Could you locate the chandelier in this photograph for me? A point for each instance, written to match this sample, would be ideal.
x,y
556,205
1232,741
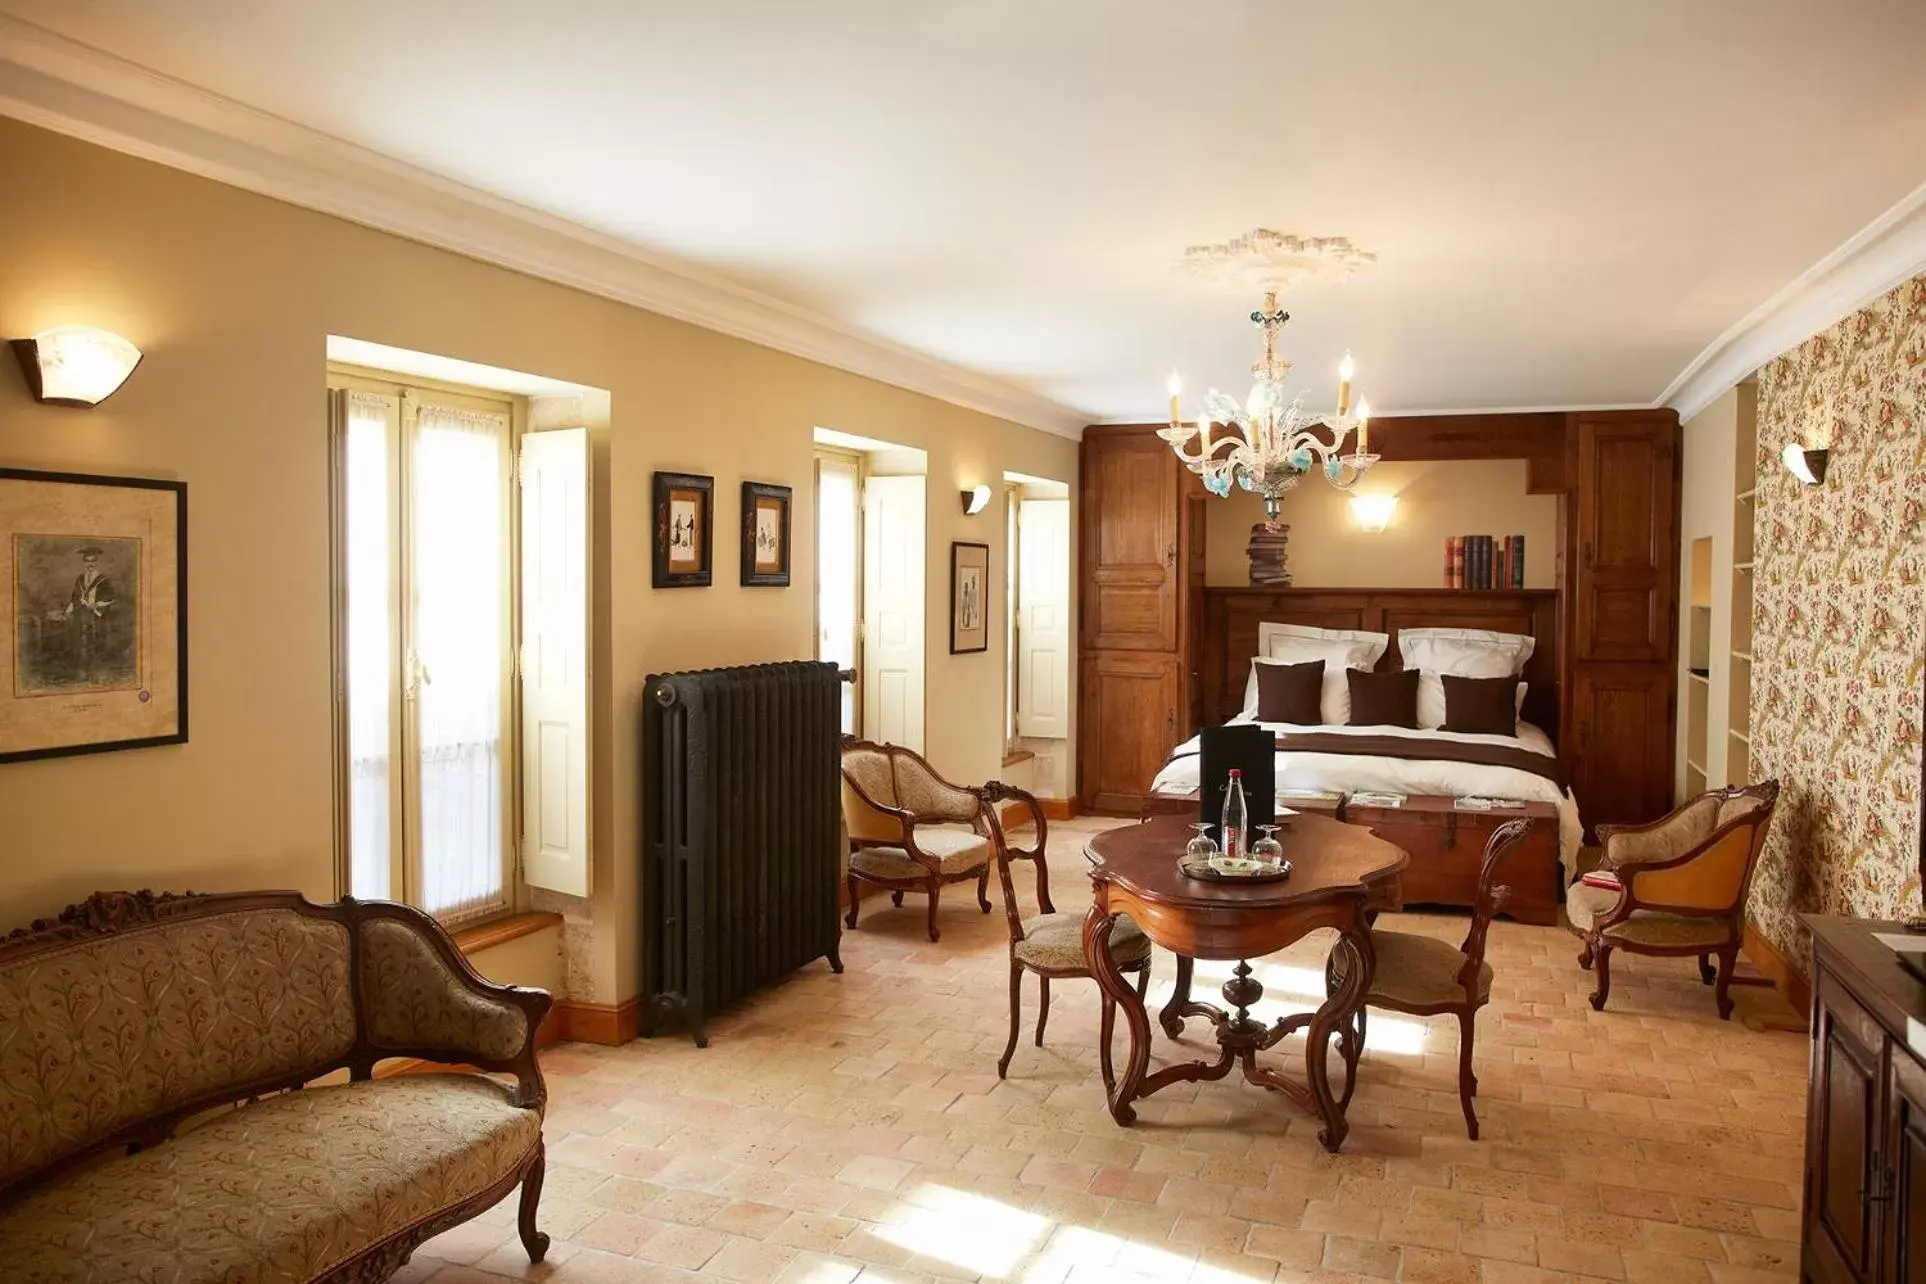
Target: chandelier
x,y
1269,443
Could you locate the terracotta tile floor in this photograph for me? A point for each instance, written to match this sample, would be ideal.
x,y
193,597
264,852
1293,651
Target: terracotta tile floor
x,y
853,1129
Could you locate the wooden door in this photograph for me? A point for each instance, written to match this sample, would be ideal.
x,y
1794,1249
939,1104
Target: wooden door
x,y
1130,514
895,607
1902,1193
1619,751
1842,1139
1127,725
1628,513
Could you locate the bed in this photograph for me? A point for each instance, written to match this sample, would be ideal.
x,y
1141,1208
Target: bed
x,y
1431,767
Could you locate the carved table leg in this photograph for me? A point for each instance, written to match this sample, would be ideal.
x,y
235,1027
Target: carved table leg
x,y
1096,952
1338,1013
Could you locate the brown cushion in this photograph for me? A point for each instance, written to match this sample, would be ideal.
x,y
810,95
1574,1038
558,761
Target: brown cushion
x,y
1383,699
1290,692
1481,706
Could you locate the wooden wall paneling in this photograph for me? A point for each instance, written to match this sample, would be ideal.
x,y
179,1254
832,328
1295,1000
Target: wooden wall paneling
x,y
1130,581
1128,726
1628,565
1620,764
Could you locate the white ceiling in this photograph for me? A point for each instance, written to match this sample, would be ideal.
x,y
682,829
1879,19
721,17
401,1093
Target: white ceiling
x,y
1570,201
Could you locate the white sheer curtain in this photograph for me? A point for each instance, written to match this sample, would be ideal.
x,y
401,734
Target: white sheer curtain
x,y
372,423
458,570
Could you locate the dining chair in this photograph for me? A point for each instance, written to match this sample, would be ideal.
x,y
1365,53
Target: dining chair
x,y
1676,887
1423,976
1050,943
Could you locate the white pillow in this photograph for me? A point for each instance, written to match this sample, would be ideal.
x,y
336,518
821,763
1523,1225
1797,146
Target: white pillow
x,y
1464,653
1340,649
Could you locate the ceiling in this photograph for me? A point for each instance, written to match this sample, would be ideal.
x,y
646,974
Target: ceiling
x,y
1569,202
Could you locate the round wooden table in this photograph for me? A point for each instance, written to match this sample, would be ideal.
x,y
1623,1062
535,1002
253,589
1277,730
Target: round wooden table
x,y
1340,874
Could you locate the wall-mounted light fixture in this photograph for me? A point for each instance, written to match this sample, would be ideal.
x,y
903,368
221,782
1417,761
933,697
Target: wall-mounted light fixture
x,y
975,500
1806,463
75,365
1373,512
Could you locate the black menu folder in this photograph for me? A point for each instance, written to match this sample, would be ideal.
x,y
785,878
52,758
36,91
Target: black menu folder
x,y
1251,749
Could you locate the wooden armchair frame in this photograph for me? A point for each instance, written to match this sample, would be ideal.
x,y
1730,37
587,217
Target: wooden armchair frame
x,y
1642,886
932,880
993,794
1488,900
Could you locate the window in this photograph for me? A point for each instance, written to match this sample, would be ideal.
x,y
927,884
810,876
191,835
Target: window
x,y
451,762
839,576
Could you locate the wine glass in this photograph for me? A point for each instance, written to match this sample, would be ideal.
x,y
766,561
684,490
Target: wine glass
x,y
1267,849
1200,847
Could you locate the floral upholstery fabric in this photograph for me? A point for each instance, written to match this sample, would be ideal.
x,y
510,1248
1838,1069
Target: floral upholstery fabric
x,y
922,792
284,1189
412,999
1586,905
1419,971
1672,837
106,1031
1056,940
957,851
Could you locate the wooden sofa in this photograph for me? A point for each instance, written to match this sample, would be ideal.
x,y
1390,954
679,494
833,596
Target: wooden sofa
x,y
132,1024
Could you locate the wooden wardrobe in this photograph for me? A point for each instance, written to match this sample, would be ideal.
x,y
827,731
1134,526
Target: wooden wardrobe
x,y
1141,582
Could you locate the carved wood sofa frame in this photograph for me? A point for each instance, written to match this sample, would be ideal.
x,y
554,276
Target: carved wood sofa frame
x,y
1640,891
112,913
931,882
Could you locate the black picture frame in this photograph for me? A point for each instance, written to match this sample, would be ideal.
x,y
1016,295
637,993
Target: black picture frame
x,y
672,491
8,590
758,498
969,619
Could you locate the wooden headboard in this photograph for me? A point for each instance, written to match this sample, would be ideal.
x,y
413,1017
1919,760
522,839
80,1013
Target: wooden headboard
x,y
1231,617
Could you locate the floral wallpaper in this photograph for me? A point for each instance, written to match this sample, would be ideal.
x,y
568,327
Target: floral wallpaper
x,y
1838,621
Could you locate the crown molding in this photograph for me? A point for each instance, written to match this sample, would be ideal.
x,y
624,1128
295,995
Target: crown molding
x,y
78,90
1379,416
1886,252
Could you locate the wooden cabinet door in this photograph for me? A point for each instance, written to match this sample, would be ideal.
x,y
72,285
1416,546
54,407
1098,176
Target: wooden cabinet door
x,y
1628,560
1618,749
1130,515
1902,1193
1842,1139
1127,727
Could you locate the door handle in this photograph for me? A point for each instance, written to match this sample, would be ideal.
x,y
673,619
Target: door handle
x,y
1587,554
1170,555
1881,1189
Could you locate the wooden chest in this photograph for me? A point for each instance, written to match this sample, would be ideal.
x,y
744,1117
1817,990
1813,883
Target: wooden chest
x,y
1447,846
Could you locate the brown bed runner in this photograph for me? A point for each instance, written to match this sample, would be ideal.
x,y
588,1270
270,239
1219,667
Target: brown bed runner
x,y
1517,757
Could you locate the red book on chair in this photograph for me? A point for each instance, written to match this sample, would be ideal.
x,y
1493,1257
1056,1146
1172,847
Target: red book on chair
x,y
1604,878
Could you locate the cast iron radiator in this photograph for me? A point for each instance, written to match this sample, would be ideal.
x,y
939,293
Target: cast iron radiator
x,y
742,803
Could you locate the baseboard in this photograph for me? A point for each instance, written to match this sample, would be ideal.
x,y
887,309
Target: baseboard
x,y
1059,808
1785,978
1013,814
606,1023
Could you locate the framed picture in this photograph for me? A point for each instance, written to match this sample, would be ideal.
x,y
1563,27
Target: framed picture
x,y
969,600
684,539
765,534
94,573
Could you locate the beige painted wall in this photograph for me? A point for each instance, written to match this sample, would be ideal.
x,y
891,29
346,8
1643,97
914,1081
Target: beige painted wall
x,y
1328,550
231,296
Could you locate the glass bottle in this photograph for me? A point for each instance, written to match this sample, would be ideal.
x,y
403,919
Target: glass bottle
x,y
1235,824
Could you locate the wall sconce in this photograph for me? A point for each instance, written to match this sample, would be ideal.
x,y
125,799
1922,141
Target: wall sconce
x,y
75,365
1808,464
975,500
1373,512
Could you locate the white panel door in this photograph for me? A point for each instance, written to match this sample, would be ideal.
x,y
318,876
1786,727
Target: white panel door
x,y
1043,633
554,660
893,610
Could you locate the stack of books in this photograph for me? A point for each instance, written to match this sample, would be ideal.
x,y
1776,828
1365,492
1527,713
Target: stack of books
x,y
1267,549
1485,561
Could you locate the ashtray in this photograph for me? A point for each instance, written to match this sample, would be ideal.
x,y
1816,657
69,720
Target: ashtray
x,y
1219,869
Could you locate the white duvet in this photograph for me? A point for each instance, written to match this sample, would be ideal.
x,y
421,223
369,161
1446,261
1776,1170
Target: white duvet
x,y
1352,773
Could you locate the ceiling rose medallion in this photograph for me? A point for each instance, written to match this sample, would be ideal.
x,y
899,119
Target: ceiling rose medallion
x,y
1269,443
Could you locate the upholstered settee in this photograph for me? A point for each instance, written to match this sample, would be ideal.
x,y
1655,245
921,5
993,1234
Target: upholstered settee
x,y
132,1026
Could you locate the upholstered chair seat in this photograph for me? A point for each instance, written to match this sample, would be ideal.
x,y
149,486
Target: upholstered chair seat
x,y
1056,941
1419,971
957,851
1681,887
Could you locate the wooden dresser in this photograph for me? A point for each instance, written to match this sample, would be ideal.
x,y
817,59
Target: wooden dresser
x,y
1865,1189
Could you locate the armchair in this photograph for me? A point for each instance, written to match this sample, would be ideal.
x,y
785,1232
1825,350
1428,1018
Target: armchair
x,y
906,828
1682,884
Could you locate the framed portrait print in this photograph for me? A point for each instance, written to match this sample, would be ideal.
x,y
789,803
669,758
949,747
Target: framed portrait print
x,y
765,534
684,539
94,574
969,601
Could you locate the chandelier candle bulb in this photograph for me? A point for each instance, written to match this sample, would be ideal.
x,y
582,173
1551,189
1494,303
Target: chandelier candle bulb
x,y
1176,386
1346,368
1364,426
